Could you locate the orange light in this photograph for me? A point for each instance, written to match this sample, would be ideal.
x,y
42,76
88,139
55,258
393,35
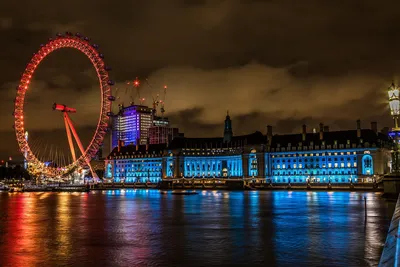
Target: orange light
x,y
165,87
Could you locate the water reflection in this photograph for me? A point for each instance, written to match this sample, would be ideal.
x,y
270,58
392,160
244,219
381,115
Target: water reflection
x,y
146,228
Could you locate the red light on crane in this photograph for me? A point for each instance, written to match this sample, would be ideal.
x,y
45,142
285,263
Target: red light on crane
x,y
136,82
165,87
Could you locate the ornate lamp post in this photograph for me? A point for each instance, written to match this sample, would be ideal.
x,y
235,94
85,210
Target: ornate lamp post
x,y
394,104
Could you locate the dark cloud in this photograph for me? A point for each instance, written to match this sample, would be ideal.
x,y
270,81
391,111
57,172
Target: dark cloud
x,y
282,63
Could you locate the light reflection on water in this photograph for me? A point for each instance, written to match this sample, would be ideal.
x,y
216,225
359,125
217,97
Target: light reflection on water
x,y
146,228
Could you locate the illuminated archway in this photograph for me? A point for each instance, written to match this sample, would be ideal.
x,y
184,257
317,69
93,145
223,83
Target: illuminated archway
x,y
367,165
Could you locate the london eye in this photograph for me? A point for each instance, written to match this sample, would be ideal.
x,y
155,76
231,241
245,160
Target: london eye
x,y
36,165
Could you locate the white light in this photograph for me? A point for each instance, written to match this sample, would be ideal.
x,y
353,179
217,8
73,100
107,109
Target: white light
x,y
394,101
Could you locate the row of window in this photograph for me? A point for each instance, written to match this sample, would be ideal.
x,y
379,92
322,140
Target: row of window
x,y
316,159
300,166
313,154
315,172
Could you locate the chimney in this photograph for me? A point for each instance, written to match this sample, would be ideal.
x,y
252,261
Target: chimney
x,y
269,134
321,131
269,130
374,127
358,129
137,144
304,132
326,129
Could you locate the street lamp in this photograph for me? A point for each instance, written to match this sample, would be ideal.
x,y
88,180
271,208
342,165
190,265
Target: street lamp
x,y
394,104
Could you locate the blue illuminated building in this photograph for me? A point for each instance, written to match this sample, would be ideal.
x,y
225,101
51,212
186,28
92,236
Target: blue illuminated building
x,y
328,157
135,163
321,156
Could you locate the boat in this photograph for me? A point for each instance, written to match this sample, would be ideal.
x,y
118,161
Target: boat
x,y
184,193
14,189
3,188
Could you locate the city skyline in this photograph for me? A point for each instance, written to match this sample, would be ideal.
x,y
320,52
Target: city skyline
x,y
263,75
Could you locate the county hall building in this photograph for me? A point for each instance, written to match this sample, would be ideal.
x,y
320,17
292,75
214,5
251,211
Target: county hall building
x,y
319,156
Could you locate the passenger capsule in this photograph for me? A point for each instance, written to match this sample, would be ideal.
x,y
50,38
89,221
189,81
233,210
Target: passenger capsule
x,y
110,82
111,98
101,56
107,68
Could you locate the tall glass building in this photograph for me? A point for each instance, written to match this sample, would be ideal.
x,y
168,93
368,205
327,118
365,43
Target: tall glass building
x,y
131,124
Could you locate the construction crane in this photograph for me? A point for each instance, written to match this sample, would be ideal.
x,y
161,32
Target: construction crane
x,y
162,109
156,100
136,83
128,83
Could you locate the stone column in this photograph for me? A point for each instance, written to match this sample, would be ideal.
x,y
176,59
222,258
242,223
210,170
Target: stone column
x,y
245,165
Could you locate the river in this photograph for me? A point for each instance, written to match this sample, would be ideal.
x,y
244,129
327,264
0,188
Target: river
x,y
213,228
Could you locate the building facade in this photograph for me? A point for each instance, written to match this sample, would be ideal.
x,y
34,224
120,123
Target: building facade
x,y
319,157
162,134
139,123
131,124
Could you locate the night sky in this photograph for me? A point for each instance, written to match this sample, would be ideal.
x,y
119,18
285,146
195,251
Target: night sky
x,y
282,63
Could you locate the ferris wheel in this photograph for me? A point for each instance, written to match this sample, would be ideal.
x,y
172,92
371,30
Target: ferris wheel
x,y
67,40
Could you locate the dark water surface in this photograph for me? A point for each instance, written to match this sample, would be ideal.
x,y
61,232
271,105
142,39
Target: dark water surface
x,y
214,228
